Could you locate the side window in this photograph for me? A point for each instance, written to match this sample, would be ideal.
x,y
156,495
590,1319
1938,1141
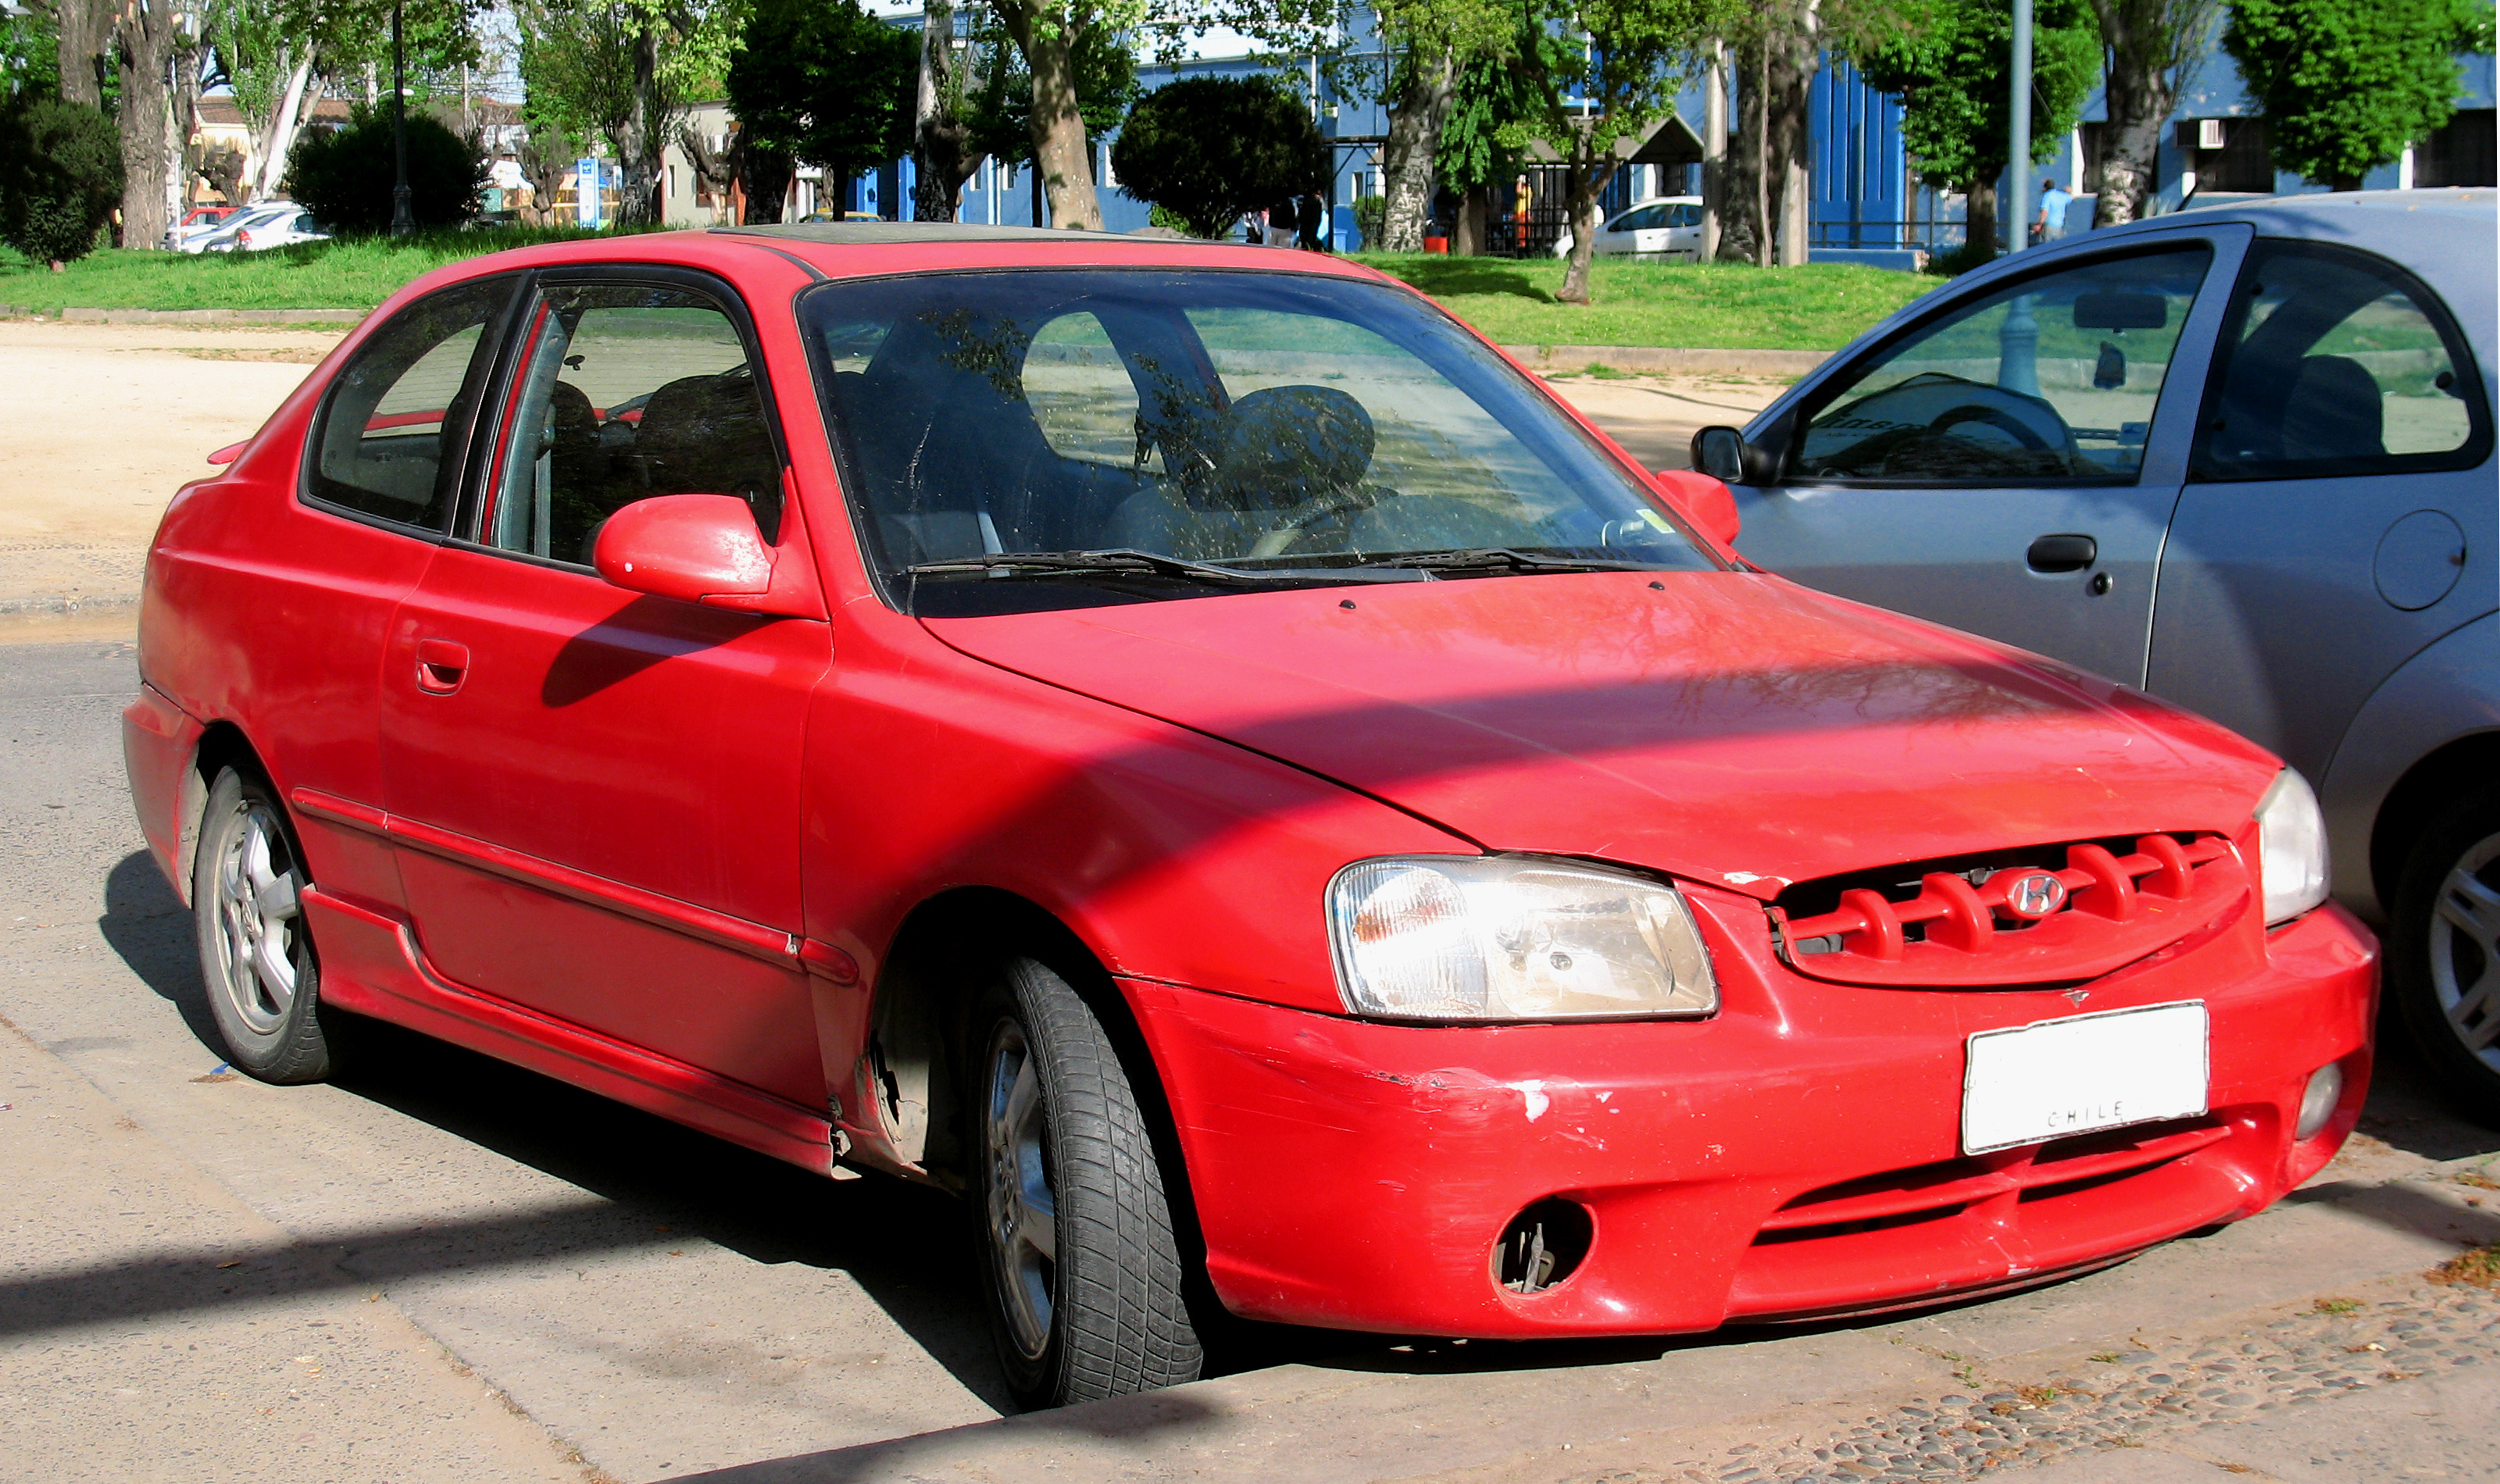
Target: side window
x,y
627,390
1685,214
2338,362
390,434
2049,380
1080,392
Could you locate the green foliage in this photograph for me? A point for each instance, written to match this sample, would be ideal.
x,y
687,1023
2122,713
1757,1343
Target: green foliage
x,y
353,274
30,53
997,100
1371,216
825,82
60,177
1480,139
1951,61
1599,71
1210,149
2346,84
344,175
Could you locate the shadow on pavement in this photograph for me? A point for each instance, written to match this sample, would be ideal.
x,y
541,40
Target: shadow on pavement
x,y
148,926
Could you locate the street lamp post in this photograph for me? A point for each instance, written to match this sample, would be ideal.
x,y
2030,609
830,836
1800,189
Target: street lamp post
x,y
2016,208
403,220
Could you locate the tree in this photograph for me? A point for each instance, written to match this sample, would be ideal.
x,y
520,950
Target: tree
x,y
344,175
60,170
1053,36
30,53
1950,63
2153,49
1208,149
824,82
2348,85
943,153
1480,143
620,71
1599,74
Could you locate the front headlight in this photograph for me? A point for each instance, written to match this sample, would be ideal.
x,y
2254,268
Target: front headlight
x,y
1512,937
2291,848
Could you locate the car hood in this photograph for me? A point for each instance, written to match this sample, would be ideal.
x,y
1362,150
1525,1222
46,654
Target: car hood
x,y
1724,727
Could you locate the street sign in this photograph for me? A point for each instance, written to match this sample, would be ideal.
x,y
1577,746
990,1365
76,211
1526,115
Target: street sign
x,y
585,190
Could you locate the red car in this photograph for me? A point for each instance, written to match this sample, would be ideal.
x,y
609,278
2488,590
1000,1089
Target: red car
x,y
1195,751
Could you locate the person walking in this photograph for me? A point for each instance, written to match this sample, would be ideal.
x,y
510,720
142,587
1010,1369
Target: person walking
x,y
1522,200
1311,221
2051,224
1280,222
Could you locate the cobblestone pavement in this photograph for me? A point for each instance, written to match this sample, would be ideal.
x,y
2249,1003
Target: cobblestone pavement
x,y
2135,1397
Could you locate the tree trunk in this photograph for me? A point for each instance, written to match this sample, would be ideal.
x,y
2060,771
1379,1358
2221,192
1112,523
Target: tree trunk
x,y
766,177
1795,54
144,43
1587,177
84,41
1473,208
1060,153
640,158
184,119
280,141
1744,194
1414,139
2141,87
2345,183
1714,150
941,142
1978,213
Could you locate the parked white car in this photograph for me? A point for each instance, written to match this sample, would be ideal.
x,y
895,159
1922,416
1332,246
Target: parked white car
x,y
225,234
283,231
1663,226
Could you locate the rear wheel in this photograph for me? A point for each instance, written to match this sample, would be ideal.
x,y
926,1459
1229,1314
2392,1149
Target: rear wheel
x,y
246,900
1084,1273
2444,950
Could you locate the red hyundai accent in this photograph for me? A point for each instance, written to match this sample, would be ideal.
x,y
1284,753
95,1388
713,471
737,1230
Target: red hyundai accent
x,y
1191,748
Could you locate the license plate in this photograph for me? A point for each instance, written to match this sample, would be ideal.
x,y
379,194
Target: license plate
x,y
2036,1082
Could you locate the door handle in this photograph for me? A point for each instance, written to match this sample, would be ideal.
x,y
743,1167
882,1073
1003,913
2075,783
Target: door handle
x,y
2063,553
441,666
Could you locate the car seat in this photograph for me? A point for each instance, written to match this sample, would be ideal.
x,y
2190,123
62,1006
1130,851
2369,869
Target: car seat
x,y
2333,412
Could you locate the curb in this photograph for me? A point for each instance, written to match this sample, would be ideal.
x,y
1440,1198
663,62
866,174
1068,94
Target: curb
x,y
68,607
1660,360
76,315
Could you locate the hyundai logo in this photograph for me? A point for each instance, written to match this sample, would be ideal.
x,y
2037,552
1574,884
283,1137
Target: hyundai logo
x,y
2034,894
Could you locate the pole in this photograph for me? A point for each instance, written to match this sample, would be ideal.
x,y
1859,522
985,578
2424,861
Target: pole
x,y
2015,207
1714,149
403,221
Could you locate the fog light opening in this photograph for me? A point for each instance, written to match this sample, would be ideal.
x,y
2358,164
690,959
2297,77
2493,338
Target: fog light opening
x,y
1543,1245
2317,1104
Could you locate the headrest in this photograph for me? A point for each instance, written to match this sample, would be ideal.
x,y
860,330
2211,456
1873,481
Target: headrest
x,y
1287,445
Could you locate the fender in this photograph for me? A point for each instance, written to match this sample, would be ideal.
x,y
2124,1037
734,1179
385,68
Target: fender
x,y
2442,693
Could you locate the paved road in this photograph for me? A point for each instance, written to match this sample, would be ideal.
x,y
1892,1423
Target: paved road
x,y
441,1268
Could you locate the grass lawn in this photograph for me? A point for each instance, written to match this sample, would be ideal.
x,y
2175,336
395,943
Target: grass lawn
x,y
313,276
1638,304
1714,307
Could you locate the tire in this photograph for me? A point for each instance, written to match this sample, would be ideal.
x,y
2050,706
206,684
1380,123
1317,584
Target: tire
x,y
1073,1231
264,980
2444,952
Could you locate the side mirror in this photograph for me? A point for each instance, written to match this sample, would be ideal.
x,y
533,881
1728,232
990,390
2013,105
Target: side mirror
x,y
1719,453
1706,499
695,548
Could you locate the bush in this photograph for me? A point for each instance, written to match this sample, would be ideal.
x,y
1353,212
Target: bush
x,y
1208,149
1371,219
344,175
60,174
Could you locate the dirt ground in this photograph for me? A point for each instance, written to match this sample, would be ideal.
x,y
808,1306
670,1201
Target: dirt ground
x,y
102,423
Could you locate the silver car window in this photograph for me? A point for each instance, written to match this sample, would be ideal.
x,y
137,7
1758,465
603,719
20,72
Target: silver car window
x,y
2338,364
2052,380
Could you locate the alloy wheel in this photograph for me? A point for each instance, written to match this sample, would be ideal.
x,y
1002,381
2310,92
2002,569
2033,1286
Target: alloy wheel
x,y
257,914
2465,950
1023,1213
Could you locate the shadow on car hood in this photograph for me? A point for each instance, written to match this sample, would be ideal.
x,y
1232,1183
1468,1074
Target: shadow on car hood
x,y
1726,727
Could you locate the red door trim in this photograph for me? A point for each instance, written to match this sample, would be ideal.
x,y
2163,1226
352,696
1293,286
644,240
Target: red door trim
x,y
772,944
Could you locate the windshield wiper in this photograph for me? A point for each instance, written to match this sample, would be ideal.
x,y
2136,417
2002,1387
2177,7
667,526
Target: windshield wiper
x,y
1129,560
1507,558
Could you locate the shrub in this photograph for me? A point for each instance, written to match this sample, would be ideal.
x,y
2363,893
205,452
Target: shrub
x,y
1208,149
60,174
344,175
1371,219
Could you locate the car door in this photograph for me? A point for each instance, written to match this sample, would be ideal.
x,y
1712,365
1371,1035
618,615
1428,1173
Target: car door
x,y
2339,509
595,794
2006,462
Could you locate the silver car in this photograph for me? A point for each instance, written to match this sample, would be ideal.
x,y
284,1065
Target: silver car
x,y
2240,457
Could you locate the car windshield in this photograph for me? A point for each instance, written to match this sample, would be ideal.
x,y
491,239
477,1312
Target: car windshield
x,y
1189,434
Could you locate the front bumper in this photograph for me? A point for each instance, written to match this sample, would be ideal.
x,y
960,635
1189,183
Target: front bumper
x,y
1798,1154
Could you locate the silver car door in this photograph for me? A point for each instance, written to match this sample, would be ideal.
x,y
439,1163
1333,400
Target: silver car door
x,y
2340,501
2006,461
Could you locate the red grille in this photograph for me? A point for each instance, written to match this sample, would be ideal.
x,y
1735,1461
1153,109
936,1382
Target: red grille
x,y
2104,912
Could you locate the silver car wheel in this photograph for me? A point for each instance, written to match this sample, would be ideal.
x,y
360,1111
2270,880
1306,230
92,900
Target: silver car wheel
x,y
2465,950
256,912
1023,1212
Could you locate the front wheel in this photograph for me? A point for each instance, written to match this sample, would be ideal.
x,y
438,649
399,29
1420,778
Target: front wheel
x,y
246,899
1083,1271
2444,950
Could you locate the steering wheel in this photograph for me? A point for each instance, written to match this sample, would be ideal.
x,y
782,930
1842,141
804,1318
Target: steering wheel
x,y
1283,539
1995,417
